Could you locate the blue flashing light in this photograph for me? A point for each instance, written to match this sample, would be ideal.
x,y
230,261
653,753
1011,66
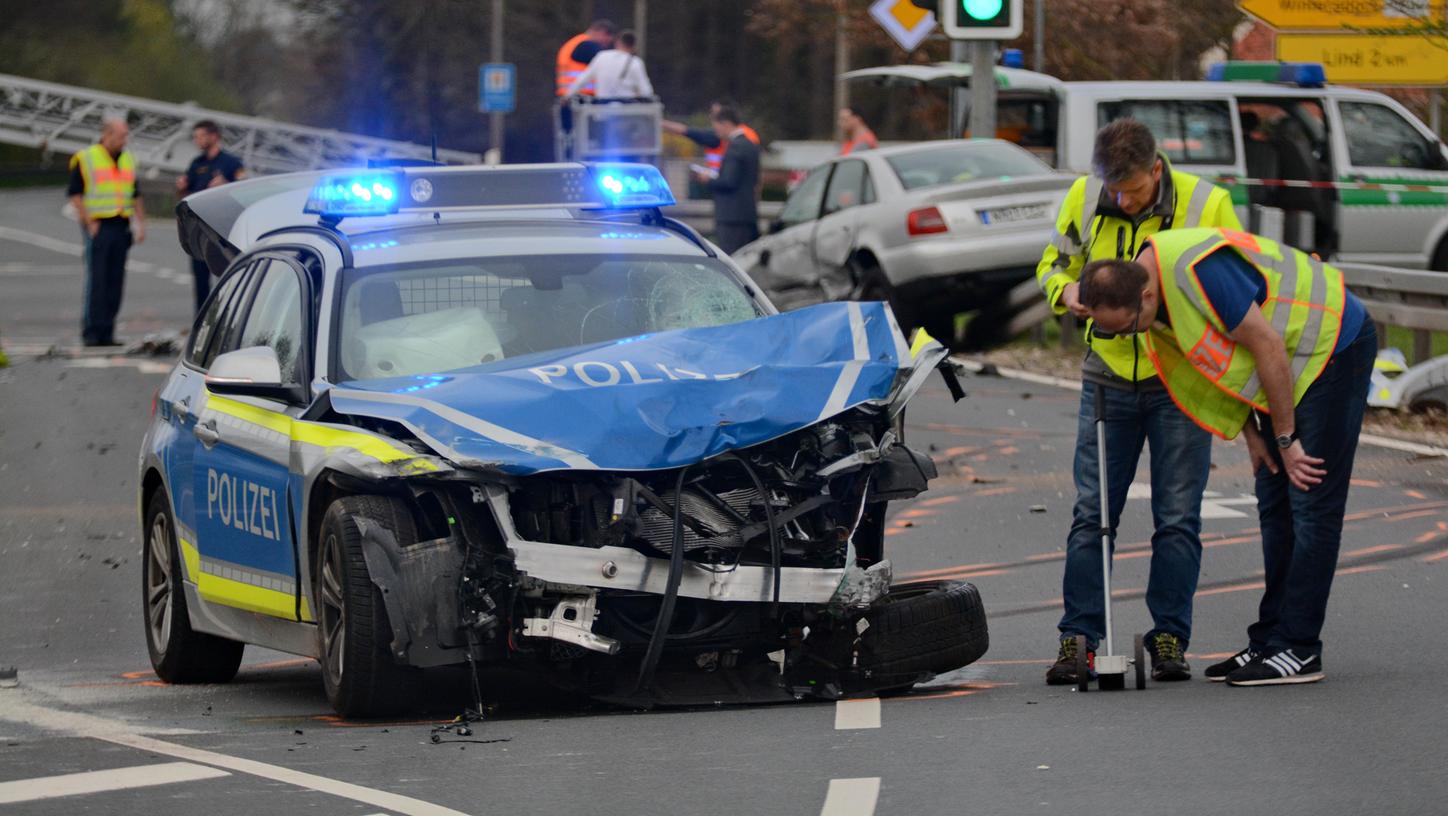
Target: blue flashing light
x,y
355,194
632,185
1217,72
1013,58
1304,74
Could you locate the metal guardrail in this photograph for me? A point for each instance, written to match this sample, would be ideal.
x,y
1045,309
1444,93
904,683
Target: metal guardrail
x,y
66,118
1407,298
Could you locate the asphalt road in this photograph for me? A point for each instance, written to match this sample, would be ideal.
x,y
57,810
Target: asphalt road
x,y
991,739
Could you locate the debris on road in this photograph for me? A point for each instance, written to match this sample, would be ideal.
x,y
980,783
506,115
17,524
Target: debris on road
x,y
9,677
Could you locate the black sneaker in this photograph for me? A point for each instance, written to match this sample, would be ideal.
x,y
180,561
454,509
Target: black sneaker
x,y
1217,672
1168,658
1063,671
1278,668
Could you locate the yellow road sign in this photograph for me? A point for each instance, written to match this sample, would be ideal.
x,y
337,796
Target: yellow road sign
x,y
1336,15
1364,59
907,23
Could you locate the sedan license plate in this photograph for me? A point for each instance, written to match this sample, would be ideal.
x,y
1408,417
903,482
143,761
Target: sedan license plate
x,y
1011,215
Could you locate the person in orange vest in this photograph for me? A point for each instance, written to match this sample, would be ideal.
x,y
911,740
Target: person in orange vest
x,y
103,191
575,55
858,135
707,139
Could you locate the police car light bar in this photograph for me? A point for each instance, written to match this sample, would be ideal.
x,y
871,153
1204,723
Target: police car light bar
x,y
355,194
614,186
1301,74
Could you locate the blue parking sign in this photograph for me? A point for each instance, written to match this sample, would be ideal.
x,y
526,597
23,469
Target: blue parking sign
x,y
497,87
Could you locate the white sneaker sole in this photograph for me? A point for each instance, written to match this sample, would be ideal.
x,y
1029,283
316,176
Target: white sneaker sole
x,y
1280,681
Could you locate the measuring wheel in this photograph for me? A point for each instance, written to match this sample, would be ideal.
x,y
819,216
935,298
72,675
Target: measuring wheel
x,y
1083,665
1139,655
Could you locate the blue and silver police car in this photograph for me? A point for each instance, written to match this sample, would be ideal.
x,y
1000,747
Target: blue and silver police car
x,y
442,416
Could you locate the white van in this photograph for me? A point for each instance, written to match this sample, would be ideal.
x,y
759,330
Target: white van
x,y
1357,176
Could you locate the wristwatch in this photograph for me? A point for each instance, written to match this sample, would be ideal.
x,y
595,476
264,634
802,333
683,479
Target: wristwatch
x,y
1284,441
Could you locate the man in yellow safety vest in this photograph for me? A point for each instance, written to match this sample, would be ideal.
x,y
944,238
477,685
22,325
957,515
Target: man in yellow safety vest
x,y
103,190
1255,337
1133,194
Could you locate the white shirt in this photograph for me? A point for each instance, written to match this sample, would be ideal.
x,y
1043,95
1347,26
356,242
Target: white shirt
x,y
616,75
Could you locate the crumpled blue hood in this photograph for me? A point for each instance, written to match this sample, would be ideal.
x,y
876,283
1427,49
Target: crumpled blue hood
x,y
652,402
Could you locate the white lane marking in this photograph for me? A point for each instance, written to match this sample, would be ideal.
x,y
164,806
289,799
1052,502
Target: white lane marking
x,y
852,797
1213,506
77,250
857,714
141,776
63,247
1400,445
33,270
13,708
1075,385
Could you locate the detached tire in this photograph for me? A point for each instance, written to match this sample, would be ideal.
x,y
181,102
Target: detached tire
x,y
178,653
923,628
353,631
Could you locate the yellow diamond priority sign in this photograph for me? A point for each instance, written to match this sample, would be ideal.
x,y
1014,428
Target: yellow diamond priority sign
x,y
906,22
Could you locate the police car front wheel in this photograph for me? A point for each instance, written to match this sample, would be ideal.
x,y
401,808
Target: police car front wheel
x,y
358,671
179,654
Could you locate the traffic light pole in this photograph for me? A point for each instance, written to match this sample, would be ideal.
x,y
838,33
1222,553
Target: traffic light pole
x,y
983,90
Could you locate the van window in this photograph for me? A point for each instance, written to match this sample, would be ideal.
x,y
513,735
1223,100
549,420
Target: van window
x,y
1187,131
1378,137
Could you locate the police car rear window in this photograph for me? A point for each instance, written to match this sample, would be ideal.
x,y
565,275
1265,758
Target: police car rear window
x,y
443,315
1193,131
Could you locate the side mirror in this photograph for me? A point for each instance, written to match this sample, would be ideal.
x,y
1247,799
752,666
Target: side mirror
x,y
251,372
776,225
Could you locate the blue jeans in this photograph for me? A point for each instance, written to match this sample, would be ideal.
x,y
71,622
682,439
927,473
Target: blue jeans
x,y
1302,530
1181,458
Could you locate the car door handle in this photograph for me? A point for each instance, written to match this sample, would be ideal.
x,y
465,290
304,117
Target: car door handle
x,y
207,433
182,409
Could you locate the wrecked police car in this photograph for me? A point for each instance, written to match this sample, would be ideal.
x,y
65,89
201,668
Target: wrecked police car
x,y
484,416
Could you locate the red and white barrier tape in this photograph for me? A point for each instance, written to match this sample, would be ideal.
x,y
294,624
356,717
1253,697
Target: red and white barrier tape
x,y
1334,185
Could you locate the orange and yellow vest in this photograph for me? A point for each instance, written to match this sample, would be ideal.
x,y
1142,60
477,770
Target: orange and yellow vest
x,y
714,156
110,184
1211,378
569,69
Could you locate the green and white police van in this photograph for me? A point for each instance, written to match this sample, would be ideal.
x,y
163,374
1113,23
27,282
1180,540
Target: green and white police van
x,y
1348,173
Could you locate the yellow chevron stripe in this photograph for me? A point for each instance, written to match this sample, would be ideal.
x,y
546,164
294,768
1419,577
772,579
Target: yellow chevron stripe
x,y
313,433
226,592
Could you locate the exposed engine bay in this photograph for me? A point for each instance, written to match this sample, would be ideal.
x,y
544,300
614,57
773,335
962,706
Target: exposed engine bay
x,y
765,562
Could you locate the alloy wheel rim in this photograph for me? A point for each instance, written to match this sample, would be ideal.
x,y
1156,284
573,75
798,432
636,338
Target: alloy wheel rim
x,y
334,612
158,583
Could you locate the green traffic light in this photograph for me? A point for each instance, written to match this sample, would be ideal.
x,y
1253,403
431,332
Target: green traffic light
x,y
982,9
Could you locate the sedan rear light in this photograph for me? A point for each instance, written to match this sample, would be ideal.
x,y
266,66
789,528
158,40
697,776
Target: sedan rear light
x,y
926,221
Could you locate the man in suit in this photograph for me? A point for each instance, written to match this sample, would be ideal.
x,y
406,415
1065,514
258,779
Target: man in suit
x,y
736,218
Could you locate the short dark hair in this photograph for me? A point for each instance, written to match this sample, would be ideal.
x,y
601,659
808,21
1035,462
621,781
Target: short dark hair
x,y
604,25
208,126
1123,148
628,39
854,111
726,113
1112,283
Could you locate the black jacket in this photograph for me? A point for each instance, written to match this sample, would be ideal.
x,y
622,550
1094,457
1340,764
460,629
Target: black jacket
x,y
738,179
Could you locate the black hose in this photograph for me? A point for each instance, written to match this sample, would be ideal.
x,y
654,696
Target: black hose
x,y
671,592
